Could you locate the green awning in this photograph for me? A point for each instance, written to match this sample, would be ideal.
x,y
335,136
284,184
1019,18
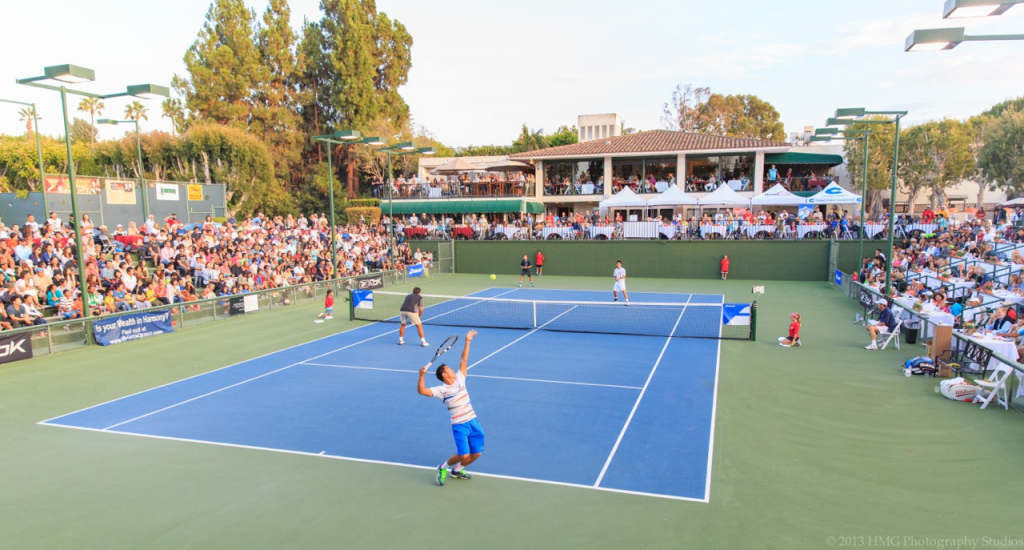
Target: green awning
x,y
444,206
802,158
533,207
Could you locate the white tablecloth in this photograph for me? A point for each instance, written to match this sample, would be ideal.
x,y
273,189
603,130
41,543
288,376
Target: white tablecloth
x,y
668,230
434,192
802,230
1007,349
1004,270
753,230
508,230
1008,296
564,232
661,186
587,189
872,229
736,185
640,230
602,230
708,229
922,227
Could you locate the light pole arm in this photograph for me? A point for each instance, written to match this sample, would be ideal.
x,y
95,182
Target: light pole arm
x,y
993,37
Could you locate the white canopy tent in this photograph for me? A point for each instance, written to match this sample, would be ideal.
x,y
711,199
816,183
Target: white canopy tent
x,y
673,196
624,199
724,195
1014,202
778,195
833,194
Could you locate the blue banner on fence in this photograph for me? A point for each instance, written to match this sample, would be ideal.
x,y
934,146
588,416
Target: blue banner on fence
x,y
735,314
839,278
414,270
132,327
362,299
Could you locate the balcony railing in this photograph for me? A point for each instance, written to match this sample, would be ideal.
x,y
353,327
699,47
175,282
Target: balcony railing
x,y
448,190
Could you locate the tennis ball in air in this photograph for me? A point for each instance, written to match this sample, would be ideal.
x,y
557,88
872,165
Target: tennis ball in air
x,y
493,276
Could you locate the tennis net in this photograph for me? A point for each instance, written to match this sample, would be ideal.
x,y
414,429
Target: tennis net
x,y
638,318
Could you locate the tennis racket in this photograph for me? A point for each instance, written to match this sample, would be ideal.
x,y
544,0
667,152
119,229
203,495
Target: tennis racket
x,y
443,348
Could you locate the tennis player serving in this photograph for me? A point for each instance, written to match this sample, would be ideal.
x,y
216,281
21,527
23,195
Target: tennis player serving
x,y
620,283
469,437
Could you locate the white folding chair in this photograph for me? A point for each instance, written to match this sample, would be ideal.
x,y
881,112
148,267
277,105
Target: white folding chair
x,y
994,388
894,334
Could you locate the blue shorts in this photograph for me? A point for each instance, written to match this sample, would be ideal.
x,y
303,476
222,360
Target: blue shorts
x,y
469,437
329,311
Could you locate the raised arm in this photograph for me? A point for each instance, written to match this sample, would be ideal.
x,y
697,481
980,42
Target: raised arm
x,y
421,387
465,352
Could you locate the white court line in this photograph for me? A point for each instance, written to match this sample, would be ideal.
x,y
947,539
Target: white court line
x,y
714,409
245,381
640,397
520,338
481,376
385,463
234,365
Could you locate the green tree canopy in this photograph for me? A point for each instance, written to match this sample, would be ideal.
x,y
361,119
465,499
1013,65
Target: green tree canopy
x,y
744,115
82,131
1002,156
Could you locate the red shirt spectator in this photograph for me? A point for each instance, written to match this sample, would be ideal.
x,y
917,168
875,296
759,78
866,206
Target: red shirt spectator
x,y
928,216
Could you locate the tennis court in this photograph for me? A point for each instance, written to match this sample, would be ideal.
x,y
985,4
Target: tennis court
x,y
591,409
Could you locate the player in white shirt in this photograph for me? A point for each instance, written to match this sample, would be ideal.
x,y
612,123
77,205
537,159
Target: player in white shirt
x,y
620,283
469,436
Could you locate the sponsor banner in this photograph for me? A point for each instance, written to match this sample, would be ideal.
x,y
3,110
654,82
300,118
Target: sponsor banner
x,y
370,282
15,348
238,305
866,299
120,192
414,270
166,192
132,327
61,184
735,314
362,299
195,192
839,278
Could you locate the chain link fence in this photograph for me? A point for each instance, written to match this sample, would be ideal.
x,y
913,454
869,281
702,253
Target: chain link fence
x,y
61,336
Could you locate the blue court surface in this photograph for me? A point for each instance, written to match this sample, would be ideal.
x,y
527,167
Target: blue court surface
x,y
630,414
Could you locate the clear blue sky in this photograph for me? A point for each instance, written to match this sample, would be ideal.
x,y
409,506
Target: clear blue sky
x,y
482,69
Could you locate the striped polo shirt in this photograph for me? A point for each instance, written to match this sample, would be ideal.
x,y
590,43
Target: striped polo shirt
x,y
456,398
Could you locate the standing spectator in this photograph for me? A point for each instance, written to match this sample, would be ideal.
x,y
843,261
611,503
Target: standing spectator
x,y
539,263
725,267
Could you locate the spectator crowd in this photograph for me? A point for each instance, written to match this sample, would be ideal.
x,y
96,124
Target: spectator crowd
x,y
170,262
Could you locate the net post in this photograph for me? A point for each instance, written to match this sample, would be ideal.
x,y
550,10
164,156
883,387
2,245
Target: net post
x,y
351,305
753,321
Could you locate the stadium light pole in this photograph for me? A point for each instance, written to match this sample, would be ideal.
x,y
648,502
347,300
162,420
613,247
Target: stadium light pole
x,y
955,9
850,116
341,137
399,149
39,150
138,151
73,74
829,134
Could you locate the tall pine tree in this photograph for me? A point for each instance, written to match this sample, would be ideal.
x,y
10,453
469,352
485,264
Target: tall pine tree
x,y
355,60
223,66
274,117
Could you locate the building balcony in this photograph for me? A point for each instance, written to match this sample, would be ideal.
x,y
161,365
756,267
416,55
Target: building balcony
x,y
463,190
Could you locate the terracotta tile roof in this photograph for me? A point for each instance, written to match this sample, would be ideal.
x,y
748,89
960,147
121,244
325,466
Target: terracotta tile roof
x,y
651,141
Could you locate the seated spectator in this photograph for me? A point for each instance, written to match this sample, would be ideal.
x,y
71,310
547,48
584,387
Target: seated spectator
x,y
886,324
21,315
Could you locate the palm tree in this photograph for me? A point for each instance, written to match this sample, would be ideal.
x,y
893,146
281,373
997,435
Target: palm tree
x,y
94,106
28,114
173,109
136,111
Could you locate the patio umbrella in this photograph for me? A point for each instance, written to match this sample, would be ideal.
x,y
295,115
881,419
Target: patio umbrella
x,y
454,167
